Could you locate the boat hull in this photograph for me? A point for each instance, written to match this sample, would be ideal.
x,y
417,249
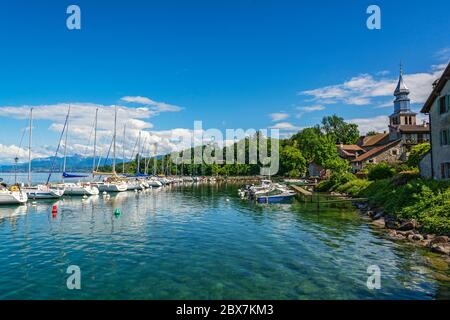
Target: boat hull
x,y
81,191
107,187
41,194
10,197
274,199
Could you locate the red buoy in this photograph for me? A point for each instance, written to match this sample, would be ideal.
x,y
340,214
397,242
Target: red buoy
x,y
54,210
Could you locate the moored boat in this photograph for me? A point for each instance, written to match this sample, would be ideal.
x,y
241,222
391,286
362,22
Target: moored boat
x,y
79,189
44,192
13,195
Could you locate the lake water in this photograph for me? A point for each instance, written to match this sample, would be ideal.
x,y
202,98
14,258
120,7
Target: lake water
x,y
203,242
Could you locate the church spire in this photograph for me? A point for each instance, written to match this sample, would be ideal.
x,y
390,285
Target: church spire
x,y
401,89
402,102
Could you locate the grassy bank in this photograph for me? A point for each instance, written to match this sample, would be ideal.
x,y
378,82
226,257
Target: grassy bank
x,y
404,195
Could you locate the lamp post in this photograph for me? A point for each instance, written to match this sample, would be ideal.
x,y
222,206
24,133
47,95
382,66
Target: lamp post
x,y
16,160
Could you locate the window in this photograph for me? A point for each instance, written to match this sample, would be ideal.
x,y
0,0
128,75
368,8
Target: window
x,y
445,170
443,103
444,137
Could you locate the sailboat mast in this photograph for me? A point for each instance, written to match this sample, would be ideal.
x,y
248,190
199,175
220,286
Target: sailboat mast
x,y
123,148
95,141
114,138
65,142
29,147
155,161
138,156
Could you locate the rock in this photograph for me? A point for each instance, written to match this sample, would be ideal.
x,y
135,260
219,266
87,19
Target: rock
x,y
370,213
378,215
443,248
379,222
408,225
391,222
439,240
417,237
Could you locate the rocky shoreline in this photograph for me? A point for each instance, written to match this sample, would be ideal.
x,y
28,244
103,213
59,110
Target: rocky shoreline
x,y
405,229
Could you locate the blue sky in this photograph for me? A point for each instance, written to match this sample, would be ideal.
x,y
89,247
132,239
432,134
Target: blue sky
x,y
231,64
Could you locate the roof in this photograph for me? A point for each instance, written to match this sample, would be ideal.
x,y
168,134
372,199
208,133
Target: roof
x,y
436,91
375,151
369,141
401,86
350,147
414,128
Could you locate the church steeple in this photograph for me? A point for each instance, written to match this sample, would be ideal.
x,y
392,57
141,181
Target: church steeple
x,y
402,102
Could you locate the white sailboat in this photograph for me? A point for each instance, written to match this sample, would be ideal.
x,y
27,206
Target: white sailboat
x,y
39,191
75,189
12,196
113,183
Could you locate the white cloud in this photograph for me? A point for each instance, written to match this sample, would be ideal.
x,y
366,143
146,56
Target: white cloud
x,y
311,108
443,54
154,105
81,128
287,126
308,109
378,124
363,89
278,116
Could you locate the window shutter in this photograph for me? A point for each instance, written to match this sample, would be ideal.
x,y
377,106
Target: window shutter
x,y
446,103
439,104
440,138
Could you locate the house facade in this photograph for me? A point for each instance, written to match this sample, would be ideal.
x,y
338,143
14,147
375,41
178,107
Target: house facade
x,y
438,109
389,153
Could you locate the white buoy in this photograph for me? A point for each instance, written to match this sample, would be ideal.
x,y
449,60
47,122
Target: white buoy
x,y
85,197
105,193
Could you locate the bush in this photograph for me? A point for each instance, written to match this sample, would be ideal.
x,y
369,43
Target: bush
x,y
380,171
354,187
417,152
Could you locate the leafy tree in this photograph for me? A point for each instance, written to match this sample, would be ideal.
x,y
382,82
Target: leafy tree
x,y
292,162
342,132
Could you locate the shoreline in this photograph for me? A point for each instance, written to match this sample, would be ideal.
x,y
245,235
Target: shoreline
x,y
407,230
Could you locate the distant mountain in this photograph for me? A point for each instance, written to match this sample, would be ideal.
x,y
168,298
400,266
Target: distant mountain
x,y
74,163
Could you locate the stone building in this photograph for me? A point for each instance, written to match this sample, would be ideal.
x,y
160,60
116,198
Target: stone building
x,y
392,147
403,122
390,153
437,107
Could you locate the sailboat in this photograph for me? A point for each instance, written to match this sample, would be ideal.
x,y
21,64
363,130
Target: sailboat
x,y
112,183
39,191
74,189
14,195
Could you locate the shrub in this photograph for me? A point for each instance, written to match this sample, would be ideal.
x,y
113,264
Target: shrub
x,y
380,171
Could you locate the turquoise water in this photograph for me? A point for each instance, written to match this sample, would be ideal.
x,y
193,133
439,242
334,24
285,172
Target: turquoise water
x,y
203,242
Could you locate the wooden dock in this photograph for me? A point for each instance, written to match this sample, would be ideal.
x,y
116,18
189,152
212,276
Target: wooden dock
x,y
302,191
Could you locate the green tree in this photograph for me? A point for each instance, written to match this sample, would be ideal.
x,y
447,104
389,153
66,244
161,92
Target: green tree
x,y
342,132
292,162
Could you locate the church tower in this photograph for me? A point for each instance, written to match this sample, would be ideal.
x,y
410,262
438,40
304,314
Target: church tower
x,y
402,116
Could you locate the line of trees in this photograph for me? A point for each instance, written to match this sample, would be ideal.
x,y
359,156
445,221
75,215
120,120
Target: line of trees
x,y
316,144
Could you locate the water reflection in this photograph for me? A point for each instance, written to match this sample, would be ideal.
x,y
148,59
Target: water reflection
x,y
202,242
